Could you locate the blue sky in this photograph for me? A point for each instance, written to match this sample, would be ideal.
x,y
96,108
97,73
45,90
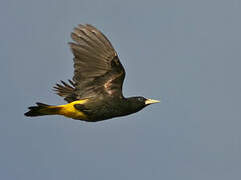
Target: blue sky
x,y
187,53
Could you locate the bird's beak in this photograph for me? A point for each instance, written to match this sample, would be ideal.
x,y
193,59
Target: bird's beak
x,y
151,101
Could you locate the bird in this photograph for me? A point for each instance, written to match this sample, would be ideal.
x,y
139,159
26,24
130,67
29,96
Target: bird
x,y
95,91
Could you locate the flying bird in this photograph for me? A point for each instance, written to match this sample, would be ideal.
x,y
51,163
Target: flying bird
x,y
95,91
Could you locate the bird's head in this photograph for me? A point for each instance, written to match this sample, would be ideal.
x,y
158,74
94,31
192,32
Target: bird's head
x,y
139,102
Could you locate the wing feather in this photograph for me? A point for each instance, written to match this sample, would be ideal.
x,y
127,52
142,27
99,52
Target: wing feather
x,y
97,69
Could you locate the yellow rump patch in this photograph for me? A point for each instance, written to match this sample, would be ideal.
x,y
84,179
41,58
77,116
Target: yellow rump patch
x,y
70,111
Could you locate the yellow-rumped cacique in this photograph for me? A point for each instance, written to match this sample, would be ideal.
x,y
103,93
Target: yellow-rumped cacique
x,y
95,91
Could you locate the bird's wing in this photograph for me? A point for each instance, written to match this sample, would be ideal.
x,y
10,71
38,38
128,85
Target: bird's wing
x,y
97,68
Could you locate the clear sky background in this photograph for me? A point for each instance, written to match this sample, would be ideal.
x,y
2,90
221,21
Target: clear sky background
x,y
185,52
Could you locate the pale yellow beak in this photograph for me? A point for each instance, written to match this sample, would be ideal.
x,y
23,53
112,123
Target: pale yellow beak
x,y
151,101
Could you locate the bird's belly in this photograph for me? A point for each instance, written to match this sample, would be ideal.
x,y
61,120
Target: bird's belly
x,y
105,112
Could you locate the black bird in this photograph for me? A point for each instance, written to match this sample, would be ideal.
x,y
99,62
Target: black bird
x,y
95,93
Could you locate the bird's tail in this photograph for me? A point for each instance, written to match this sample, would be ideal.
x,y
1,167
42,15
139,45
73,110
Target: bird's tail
x,y
42,109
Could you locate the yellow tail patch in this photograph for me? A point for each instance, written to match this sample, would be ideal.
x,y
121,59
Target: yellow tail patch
x,y
67,110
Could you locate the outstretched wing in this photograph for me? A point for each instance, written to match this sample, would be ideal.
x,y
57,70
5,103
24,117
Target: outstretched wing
x,y
97,69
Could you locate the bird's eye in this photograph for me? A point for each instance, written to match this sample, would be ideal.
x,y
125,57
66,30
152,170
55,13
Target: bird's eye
x,y
140,99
